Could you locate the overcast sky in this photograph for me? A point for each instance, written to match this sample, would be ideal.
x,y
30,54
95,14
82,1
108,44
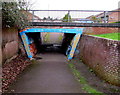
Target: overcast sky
x,y
74,4
107,5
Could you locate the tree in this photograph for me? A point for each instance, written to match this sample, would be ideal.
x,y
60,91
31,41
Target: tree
x,y
67,18
95,19
12,15
44,18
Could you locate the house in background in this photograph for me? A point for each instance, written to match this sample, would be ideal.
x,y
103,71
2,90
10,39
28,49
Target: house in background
x,y
106,17
31,17
110,17
114,16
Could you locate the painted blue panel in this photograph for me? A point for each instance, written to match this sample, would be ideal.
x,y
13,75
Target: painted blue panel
x,y
73,46
26,44
76,30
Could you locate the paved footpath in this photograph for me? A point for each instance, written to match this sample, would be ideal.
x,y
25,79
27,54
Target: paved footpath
x,y
48,75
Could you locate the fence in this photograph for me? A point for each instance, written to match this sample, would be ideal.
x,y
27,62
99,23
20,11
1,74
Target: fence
x,y
79,16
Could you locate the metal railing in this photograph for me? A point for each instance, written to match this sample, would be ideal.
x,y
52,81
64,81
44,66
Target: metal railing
x,y
79,16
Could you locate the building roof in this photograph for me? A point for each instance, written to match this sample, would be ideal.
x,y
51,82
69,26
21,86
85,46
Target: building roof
x,y
30,15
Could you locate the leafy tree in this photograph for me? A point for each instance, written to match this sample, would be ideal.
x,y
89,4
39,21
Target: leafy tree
x,y
49,18
12,15
95,19
44,18
67,18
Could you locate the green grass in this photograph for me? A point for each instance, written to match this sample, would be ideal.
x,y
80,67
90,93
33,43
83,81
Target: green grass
x,y
113,36
77,74
85,86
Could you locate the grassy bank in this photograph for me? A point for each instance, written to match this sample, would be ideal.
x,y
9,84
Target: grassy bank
x,y
85,86
113,36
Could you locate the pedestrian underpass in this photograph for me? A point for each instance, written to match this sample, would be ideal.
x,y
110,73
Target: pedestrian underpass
x,y
37,40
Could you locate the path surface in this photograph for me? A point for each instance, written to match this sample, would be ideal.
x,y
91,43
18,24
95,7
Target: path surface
x,y
48,75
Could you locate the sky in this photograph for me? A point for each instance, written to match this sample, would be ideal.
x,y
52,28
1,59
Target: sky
x,y
106,5
74,4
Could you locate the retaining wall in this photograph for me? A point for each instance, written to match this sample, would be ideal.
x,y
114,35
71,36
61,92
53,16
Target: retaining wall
x,y
0,56
9,43
102,55
0,40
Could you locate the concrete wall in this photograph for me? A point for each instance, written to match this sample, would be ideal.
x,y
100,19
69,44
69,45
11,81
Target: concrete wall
x,y
102,55
0,47
0,38
0,56
9,43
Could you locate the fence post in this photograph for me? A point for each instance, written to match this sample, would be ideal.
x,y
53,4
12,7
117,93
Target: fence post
x,y
105,17
32,16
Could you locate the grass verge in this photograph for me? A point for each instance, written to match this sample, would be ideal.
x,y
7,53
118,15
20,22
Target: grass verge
x,y
113,36
83,81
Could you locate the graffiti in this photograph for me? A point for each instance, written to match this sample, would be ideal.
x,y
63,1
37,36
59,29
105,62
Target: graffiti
x,y
46,37
27,48
73,46
60,38
51,38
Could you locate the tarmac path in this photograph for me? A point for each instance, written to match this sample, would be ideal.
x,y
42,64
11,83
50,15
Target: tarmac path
x,y
50,74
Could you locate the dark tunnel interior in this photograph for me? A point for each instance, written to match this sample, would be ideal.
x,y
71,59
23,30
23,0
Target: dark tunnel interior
x,y
36,43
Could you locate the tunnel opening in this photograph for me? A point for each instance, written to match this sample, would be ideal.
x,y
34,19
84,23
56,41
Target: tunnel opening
x,y
34,41
38,43
66,41
41,40
51,42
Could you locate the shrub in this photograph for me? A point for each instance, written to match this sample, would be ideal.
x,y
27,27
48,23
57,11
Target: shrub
x,y
12,15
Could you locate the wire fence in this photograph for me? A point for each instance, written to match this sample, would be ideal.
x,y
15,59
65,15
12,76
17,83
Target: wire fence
x,y
79,16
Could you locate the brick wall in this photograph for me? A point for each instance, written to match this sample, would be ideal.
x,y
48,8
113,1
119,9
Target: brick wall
x,y
113,17
99,30
9,43
102,55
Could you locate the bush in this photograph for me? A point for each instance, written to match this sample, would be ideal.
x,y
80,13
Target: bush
x,y
67,18
12,15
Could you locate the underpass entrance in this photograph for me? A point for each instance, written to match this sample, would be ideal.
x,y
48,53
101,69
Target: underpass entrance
x,y
33,42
